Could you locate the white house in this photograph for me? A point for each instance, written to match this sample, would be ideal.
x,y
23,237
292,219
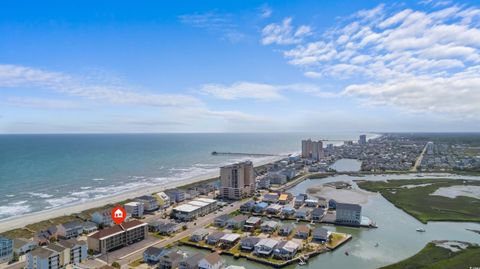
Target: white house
x,y
211,261
135,209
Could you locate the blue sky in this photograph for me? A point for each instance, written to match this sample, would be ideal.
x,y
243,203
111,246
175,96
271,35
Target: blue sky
x,y
239,66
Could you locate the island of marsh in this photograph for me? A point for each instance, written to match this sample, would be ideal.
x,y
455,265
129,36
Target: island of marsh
x,y
442,254
431,199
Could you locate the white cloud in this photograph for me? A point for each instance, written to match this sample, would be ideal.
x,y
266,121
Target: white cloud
x,y
22,76
40,103
260,91
284,33
266,11
215,23
242,90
14,76
412,59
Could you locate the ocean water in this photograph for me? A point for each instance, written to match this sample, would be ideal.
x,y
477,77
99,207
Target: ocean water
x,y
39,172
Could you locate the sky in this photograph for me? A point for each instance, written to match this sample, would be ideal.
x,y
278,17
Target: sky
x,y
239,66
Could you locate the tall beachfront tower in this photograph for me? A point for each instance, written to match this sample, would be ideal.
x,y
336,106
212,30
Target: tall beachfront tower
x,y
362,140
312,149
237,180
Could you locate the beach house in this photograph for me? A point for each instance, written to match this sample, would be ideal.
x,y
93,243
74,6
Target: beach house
x,y
211,261
135,209
199,235
252,223
70,229
237,222
89,227
213,238
152,255
286,229
270,198
284,198
273,209
170,260
286,250
229,240
75,250
311,202
149,202
103,218
302,231
260,207
221,221
300,199
288,211
265,247
318,213
269,226
163,199
22,246
191,261
302,213
247,206
43,258
248,243
321,234
176,195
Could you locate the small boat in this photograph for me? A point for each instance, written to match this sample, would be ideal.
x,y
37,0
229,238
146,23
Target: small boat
x,y
346,253
421,230
376,245
302,263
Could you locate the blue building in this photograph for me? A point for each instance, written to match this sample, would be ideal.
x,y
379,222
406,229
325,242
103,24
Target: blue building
x,y
6,249
260,207
332,204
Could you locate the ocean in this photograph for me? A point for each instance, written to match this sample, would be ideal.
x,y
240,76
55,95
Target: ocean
x,y
41,172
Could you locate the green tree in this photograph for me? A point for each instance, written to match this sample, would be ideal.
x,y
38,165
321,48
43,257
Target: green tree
x,y
116,264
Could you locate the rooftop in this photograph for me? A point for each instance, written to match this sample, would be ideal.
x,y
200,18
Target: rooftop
x,y
186,208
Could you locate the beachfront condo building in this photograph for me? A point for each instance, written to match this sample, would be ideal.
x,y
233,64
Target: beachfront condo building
x,y
312,149
43,258
6,249
348,214
118,236
237,180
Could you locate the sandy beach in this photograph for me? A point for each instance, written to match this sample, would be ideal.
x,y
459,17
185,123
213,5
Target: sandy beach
x,y
23,220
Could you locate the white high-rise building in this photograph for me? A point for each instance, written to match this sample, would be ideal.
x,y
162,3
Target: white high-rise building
x,y
237,180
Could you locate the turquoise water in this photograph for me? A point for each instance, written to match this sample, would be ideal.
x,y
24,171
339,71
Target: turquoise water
x,y
40,172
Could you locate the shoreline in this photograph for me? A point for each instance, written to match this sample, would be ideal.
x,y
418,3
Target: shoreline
x,y
35,217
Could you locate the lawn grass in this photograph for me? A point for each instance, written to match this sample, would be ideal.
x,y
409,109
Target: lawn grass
x,y
425,207
433,257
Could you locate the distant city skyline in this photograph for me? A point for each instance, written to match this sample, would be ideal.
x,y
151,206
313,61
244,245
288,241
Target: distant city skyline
x,y
239,66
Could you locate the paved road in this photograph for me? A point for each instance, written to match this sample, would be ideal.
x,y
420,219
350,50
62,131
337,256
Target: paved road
x,y
419,159
136,251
